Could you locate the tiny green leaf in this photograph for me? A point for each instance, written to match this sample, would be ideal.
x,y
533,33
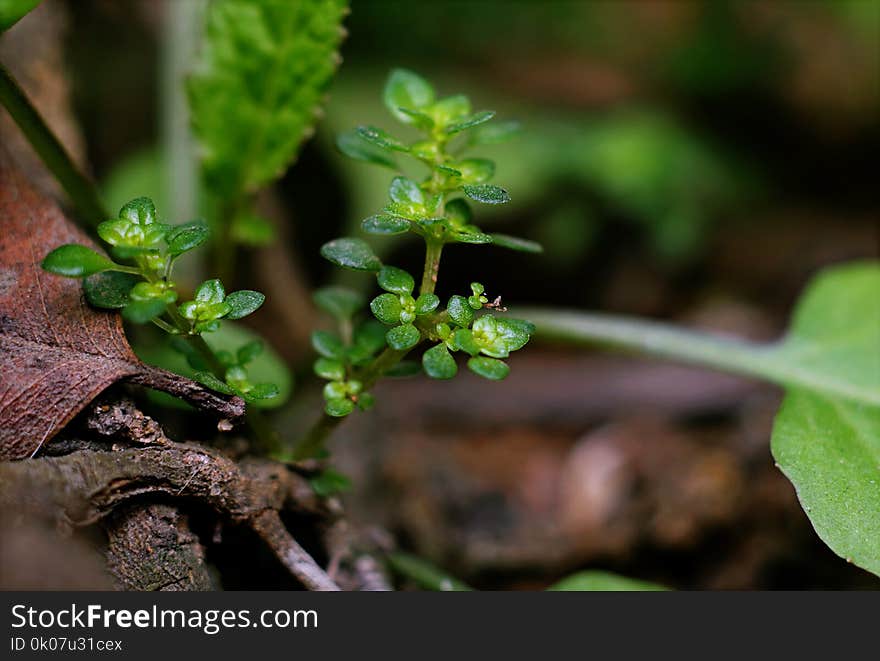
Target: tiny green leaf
x,y
140,312
140,211
262,391
464,340
385,224
354,146
472,237
210,291
427,303
489,368
109,289
184,238
516,243
330,369
403,337
405,89
75,261
208,379
469,122
497,132
340,302
327,344
406,191
449,109
395,280
338,408
248,352
386,308
12,11
476,170
438,363
380,138
458,211
352,254
459,311
486,193
601,581
328,483
243,303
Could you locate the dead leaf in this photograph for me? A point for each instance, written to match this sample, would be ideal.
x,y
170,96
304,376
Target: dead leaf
x,y
56,352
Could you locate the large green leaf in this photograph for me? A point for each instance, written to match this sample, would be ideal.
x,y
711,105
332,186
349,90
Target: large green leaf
x,y
264,71
826,438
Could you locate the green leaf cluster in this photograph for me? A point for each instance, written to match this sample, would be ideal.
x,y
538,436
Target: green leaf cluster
x,y
448,127
344,353
236,379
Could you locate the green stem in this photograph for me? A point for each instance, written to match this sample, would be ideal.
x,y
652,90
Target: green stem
x,y
313,441
764,361
81,190
433,250
424,573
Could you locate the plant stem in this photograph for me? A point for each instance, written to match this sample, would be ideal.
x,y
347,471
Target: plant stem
x,y
313,441
424,573
433,249
80,189
764,361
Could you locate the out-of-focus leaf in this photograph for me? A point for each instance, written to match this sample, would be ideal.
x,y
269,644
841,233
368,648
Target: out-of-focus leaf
x,y
263,73
516,243
12,11
602,581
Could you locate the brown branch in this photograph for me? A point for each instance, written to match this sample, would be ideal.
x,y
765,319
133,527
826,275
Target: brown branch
x,y
85,486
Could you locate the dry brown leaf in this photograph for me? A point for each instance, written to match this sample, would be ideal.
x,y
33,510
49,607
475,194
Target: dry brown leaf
x,y
56,352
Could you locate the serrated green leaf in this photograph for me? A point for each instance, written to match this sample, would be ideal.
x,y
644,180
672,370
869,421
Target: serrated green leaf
x,y
395,280
516,243
75,261
352,254
403,337
602,581
438,363
427,303
328,368
243,303
339,302
385,224
459,311
471,121
338,408
109,289
405,89
184,238
262,75
386,308
382,139
210,291
327,344
405,191
354,146
487,193
489,368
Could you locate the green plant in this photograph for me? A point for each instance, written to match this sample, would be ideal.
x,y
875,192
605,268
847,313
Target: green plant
x,y
145,291
437,210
